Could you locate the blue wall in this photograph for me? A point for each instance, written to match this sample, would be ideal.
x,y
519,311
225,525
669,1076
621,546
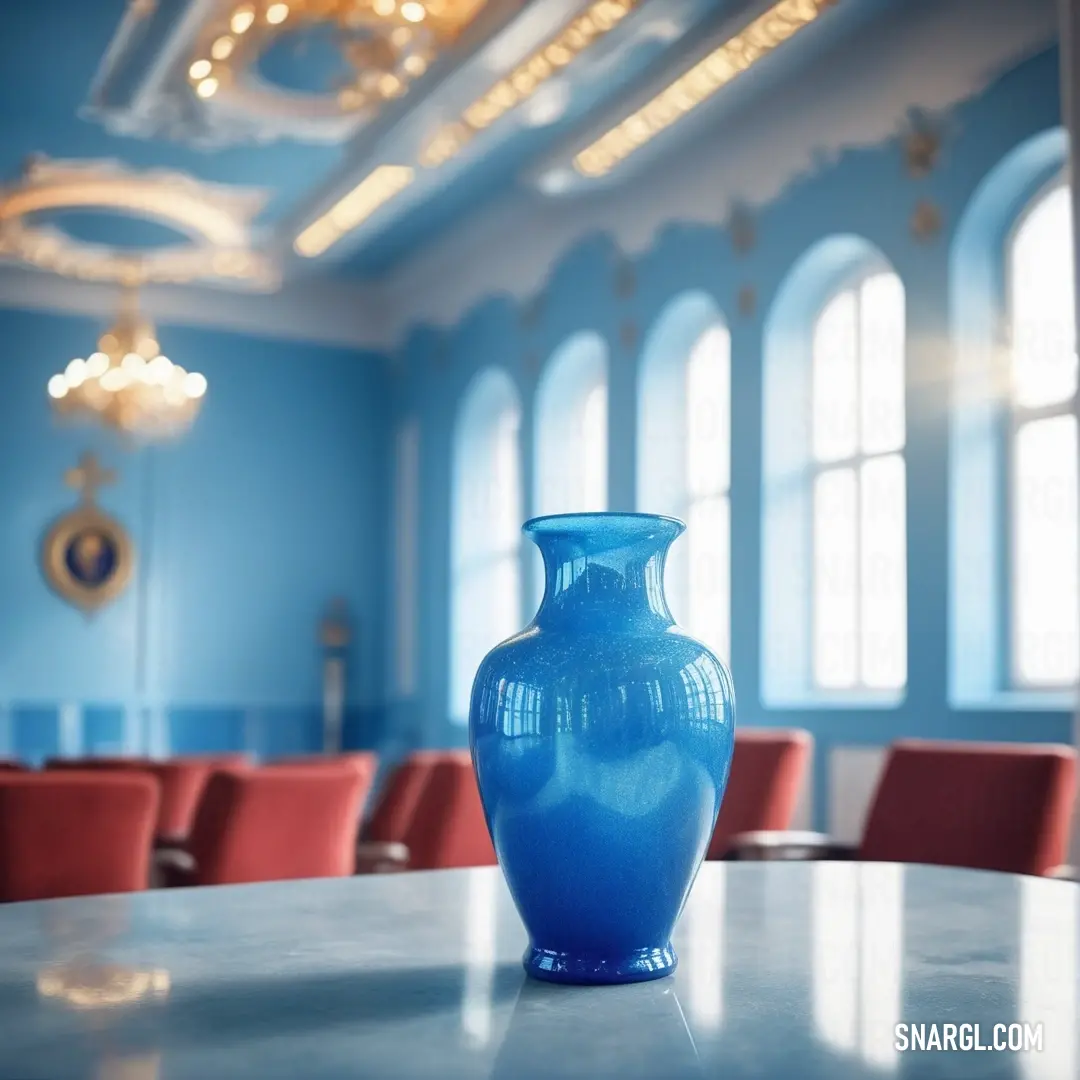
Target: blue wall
x,y
244,531
868,193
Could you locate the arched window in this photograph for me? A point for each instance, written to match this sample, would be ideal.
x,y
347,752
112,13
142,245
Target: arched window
x,y
684,453
1042,539
486,533
859,562
571,428
833,541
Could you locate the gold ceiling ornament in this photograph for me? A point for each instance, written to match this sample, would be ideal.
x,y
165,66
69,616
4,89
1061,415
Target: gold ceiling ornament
x,y
743,230
216,219
926,221
127,384
723,65
88,984
508,93
87,557
922,147
387,43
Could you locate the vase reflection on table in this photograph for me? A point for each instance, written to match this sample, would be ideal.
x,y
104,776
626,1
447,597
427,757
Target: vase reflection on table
x,y
602,736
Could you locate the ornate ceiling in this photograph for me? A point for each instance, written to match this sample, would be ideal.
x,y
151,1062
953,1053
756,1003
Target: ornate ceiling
x,y
239,143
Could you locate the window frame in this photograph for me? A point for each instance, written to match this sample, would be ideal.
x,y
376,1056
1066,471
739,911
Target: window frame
x,y
1014,417
465,570
687,500
852,282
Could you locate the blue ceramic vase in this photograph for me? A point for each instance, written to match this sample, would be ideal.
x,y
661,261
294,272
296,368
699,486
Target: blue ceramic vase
x,y
602,737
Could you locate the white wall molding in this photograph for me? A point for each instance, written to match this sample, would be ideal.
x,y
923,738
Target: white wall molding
x,y
322,312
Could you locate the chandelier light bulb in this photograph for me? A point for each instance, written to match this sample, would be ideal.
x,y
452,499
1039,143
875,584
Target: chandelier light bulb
x,y
277,13
384,8
133,364
413,11
75,373
194,384
200,69
222,47
96,365
128,385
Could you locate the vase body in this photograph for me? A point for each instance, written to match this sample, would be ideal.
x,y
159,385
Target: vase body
x,y
602,737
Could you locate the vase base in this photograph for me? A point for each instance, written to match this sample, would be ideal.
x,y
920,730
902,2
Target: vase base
x,y
580,969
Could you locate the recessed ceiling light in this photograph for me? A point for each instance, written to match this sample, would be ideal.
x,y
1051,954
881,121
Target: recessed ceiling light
x,y
222,48
547,105
413,11
200,69
207,88
556,181
277,13
377,188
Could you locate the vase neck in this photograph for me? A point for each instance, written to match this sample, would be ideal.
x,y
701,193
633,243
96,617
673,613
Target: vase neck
x,y
603,570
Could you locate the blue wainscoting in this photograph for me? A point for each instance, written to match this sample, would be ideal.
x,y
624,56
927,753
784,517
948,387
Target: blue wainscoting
x,y
32,733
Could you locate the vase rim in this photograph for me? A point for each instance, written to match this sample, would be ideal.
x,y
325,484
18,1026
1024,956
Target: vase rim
x,y
635,523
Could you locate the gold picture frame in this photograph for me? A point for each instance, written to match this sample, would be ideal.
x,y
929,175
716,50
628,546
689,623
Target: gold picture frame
x,y
87,557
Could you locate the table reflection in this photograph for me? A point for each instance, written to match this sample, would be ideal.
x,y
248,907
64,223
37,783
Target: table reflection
x,y
557,1032
857,942
91,984
703,964
1049,946
480,938
135,1067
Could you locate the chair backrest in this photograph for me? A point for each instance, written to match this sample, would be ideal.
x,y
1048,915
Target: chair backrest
x,y
75,833
10,765
448,828
988,806
276,823
183,781
366,763
768,771
397,802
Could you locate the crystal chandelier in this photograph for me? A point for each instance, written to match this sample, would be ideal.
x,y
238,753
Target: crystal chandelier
x,y
127,384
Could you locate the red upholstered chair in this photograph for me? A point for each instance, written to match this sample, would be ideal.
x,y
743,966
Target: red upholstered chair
x,y
183,780
366,762
767,773
275,823
398,800
448,827
988,806
75,833
9,765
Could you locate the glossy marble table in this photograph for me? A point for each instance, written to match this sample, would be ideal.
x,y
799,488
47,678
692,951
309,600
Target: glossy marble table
x,y
797,971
